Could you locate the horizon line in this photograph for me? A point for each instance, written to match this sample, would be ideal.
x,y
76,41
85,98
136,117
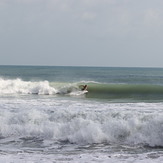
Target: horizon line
x,y
80,66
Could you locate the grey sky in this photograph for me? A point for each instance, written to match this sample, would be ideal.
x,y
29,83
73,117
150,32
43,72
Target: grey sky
x,y
81,32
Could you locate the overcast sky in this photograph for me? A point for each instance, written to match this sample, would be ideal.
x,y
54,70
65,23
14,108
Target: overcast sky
x,y
81,32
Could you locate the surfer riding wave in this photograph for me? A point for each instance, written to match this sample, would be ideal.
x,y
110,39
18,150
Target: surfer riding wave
x,y
84,87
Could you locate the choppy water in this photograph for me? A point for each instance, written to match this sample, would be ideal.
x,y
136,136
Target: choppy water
x,y
45,117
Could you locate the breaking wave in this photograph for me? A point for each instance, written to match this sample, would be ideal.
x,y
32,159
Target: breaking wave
x,y
18,86
95,89
83,127
25,87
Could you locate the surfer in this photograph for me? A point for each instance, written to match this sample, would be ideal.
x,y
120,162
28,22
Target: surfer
x,y
84,87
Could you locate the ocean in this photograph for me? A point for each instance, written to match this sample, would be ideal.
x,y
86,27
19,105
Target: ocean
x,y
45,117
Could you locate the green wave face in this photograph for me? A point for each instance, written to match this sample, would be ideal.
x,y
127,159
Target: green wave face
x,y
124,91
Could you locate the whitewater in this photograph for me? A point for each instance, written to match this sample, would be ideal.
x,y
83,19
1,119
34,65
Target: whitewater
x,y
45,117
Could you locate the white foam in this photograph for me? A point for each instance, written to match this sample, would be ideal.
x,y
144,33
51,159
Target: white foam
x,y
79,123
22,157
18,86
82,123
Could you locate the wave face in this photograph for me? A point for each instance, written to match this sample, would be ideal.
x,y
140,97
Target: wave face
x,y
98,90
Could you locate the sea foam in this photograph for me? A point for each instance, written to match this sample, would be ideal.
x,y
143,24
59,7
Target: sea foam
x,y
25,87
82,124
18,86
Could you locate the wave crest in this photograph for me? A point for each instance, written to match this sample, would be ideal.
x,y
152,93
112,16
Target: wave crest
x,y
18,86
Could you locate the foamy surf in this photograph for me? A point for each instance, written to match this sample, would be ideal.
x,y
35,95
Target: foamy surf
x,y
18,86
83,124
77,131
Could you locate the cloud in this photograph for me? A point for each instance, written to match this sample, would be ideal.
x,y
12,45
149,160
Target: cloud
x,y
152,17
88,16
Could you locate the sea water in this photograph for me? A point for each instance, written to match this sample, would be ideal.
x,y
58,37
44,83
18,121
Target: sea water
x,y
45,117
